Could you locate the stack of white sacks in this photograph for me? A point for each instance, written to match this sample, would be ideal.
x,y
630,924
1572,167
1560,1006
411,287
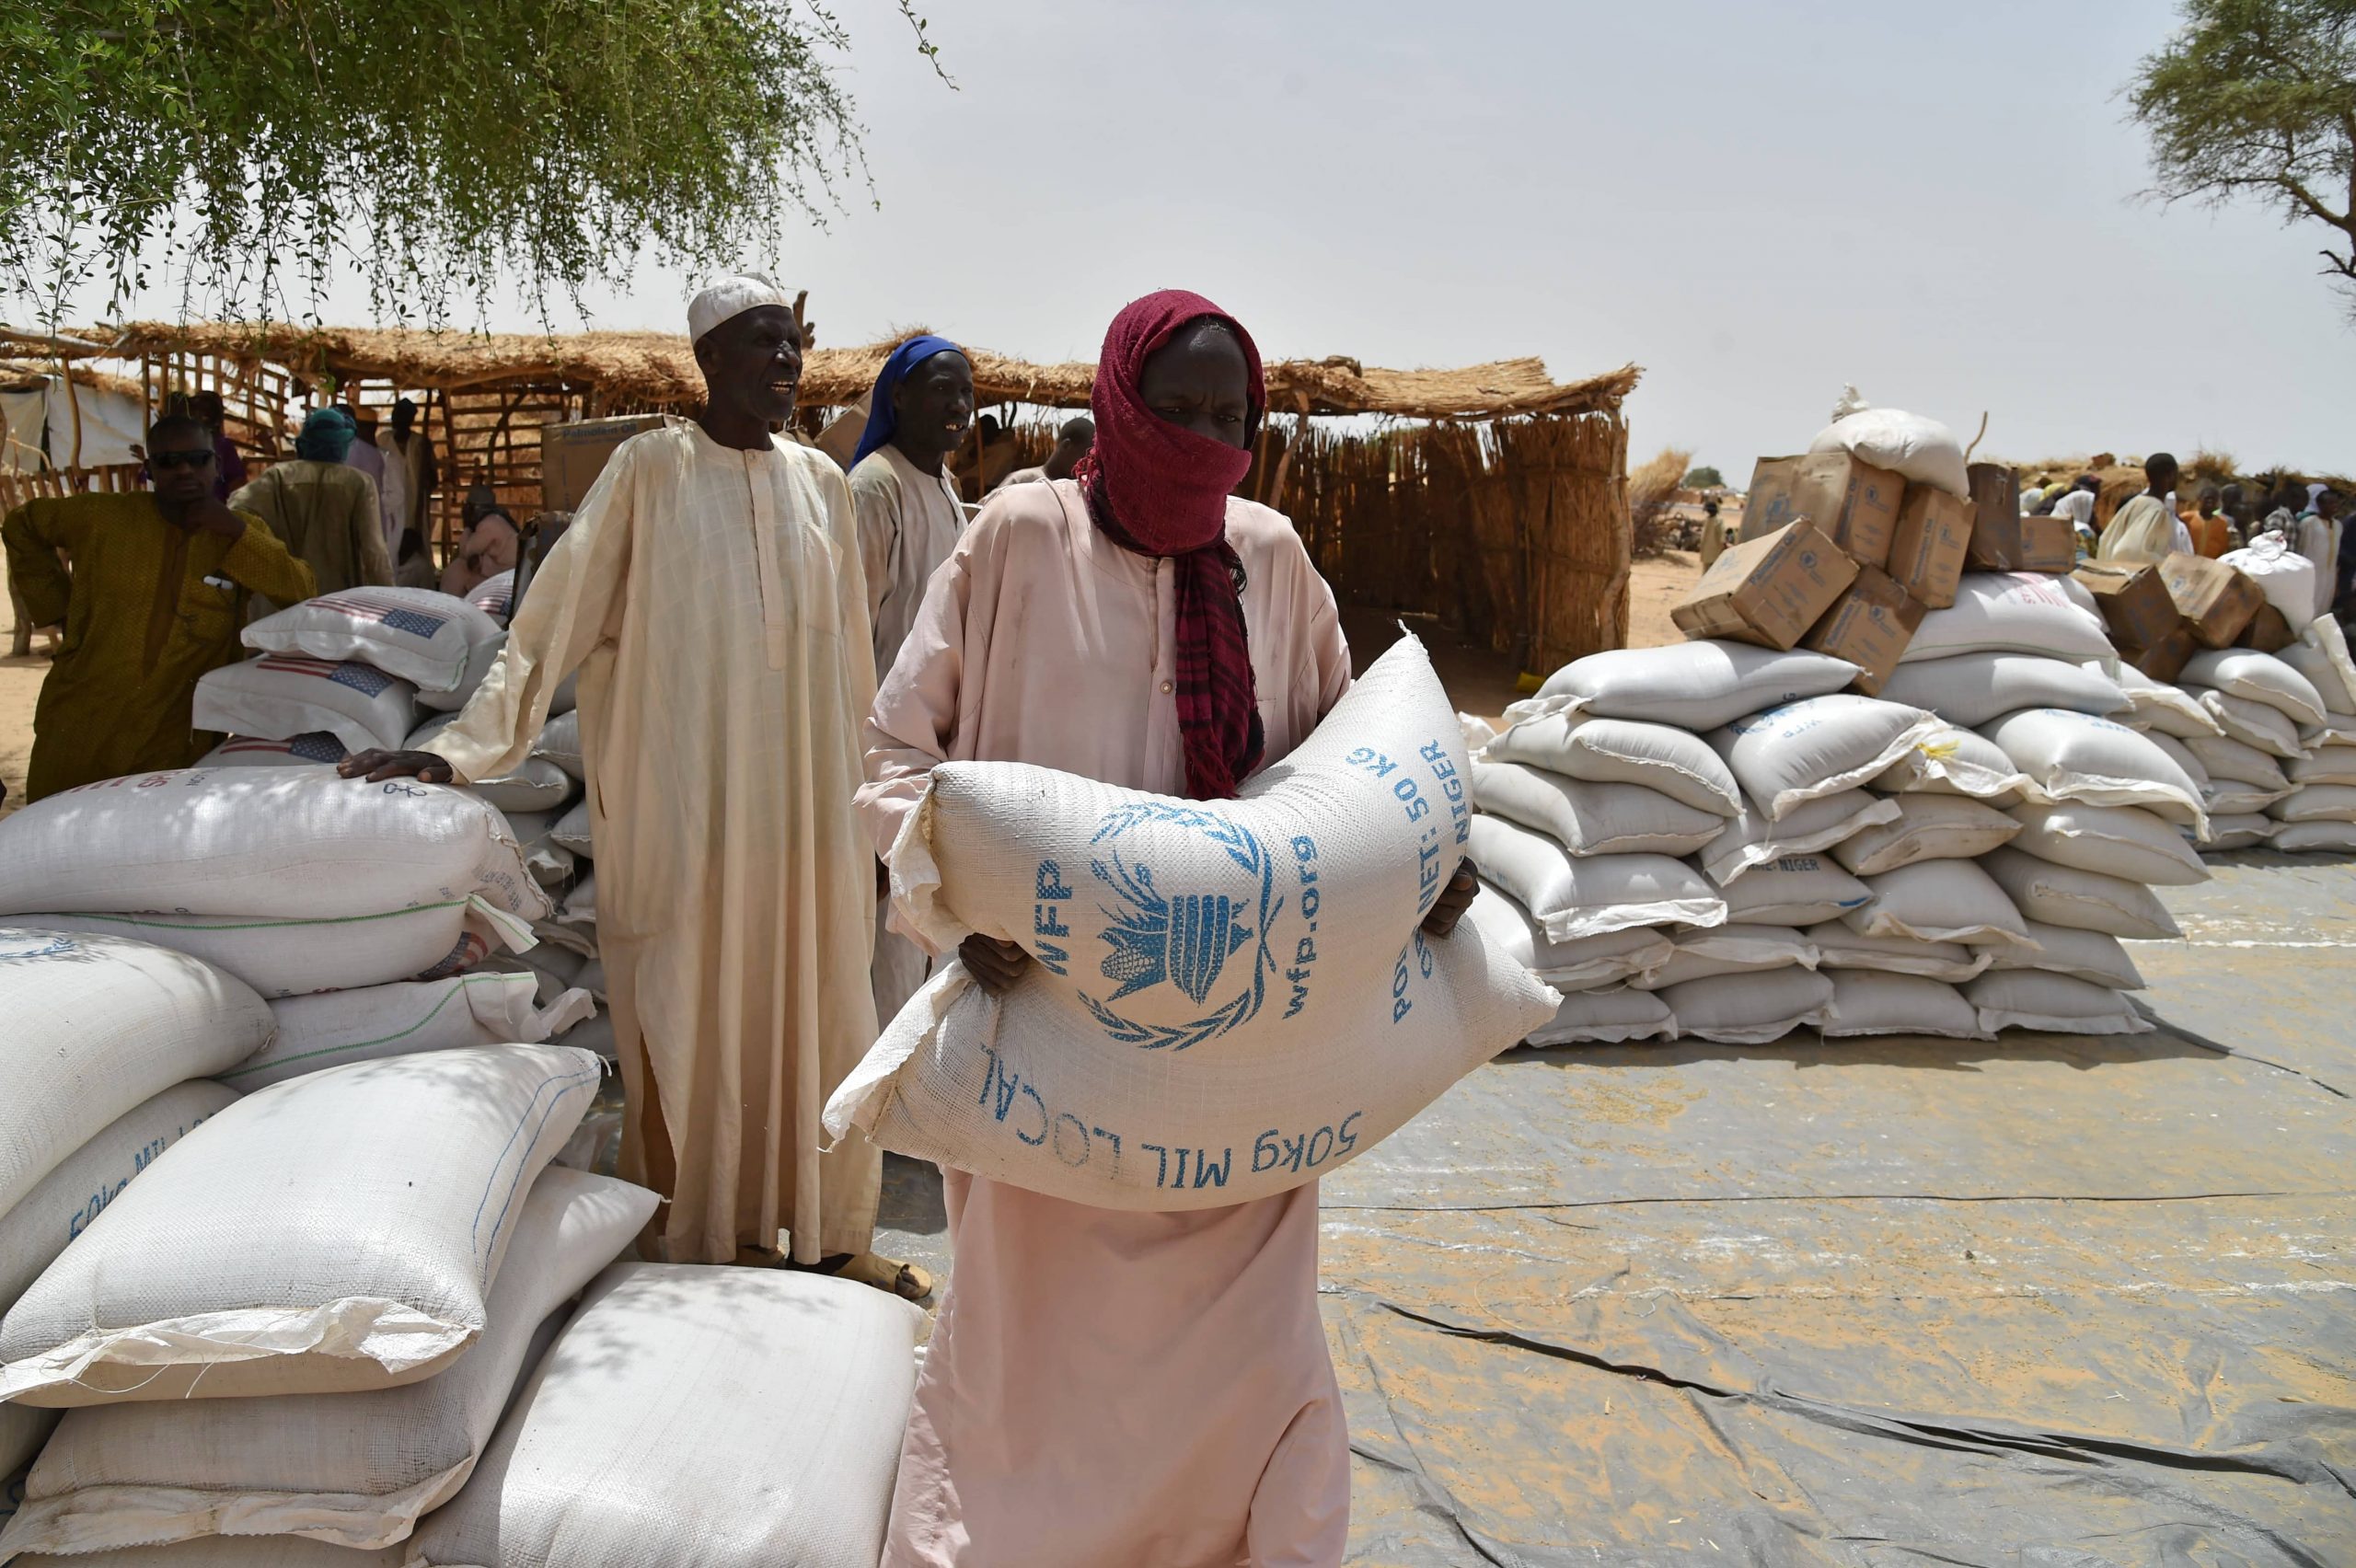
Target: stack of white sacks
x,y
1717,841
330,1323
2274,737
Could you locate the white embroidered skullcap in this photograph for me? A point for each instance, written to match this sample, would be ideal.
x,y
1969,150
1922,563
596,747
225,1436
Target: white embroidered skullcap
x,y
725,299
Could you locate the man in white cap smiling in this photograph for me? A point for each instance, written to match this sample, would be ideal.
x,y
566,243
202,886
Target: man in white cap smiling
x,y
709,594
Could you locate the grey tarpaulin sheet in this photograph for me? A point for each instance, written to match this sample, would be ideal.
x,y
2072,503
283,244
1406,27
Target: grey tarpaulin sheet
x,y
2047,1301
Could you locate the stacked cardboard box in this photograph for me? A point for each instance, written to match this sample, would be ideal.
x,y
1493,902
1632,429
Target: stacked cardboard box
x,y
2004,540
1843,558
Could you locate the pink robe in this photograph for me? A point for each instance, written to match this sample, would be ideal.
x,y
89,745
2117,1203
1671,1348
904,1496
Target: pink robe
x,y
1106,1387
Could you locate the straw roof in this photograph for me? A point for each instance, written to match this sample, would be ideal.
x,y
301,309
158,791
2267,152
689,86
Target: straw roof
x,y
16,374
660,368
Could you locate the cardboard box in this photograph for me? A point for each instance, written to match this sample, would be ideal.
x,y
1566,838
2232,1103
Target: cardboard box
x,y
1995,491
2134,601
1853,503
2267,631
2216,602
1769,590
1869,625
2014,543
1926,552
2164,659
572,454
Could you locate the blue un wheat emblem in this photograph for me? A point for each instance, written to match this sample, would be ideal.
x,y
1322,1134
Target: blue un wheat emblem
x,y
1183,939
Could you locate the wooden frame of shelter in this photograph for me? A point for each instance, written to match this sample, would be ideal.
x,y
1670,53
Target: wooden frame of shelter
x,y
1491,499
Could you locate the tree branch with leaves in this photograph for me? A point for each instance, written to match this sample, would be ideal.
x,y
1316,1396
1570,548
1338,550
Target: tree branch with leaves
x,y
263,148
2256,99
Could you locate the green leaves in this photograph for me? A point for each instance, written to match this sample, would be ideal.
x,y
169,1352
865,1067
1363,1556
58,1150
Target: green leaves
x,y
424,144
2256,98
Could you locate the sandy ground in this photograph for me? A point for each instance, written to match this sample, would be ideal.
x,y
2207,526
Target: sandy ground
x,y
1478,681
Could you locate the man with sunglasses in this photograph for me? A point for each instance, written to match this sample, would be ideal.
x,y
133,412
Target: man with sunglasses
x,y
155,598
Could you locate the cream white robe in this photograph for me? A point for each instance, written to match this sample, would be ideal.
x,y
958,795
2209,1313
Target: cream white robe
x,y
908,522
714,604
1106,1387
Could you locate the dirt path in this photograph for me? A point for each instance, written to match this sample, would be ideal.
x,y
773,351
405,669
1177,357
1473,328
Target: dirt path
x,y
19,688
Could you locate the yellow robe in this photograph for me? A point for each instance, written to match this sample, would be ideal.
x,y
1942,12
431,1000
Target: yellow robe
x,y
148,609
713,602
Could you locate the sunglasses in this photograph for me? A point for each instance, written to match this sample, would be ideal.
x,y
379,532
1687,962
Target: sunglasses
x,y
180,460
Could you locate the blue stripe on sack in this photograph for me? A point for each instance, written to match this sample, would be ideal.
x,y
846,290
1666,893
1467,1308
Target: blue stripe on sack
x,y
591,1076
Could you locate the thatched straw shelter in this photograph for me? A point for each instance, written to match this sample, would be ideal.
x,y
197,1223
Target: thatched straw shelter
x,y
1492,497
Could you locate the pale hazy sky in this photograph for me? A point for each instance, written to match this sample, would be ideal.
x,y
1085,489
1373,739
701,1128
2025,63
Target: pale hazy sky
x,y
1755,203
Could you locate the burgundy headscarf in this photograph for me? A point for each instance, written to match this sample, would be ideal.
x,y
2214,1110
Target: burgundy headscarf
x,y
1161,491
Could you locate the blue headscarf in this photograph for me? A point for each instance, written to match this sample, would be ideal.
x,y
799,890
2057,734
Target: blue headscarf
x,y
328,434
882,422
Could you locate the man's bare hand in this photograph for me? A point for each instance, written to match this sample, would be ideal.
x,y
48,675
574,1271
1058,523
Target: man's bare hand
x,y
996,964
212,516
1454,900
378,765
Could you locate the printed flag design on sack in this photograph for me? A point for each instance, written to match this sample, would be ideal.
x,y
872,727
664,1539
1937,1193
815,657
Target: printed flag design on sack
x,y
365,679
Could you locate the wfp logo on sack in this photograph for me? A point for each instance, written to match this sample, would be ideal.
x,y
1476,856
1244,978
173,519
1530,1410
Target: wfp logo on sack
x,y
1186,897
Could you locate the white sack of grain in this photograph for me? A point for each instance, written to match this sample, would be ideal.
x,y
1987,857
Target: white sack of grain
x,y
1868,1001
559,743
1940,901
1729,949
2182,755
2258,678
1954,762
1593,819
1796,890
2087,901
2118,841
2052,1004
294,958
534,784
554,970
1611,1015
2258,724
2075,756
1674,762
2239,830
1691,686
1972,688
1587,897
2226,759
2095,957
2161,708
2311,837
2229,798
727,1418
1928,827
316,749
2009,612
2286,577
233,1270
341,1027
2321,655
63,1203
571,829
1755,839
1921,449
354,1470
550,864
22,1432
478,662
2324,765
280,695
95,1025
1840,947
1820,747
1576,965
1231,997
594,1033
415,634
288,842
1750,1010
2316,803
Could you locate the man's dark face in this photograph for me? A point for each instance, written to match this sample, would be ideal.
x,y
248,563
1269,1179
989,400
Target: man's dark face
x,y
180,466
404,415
752,364
207,406
934,405
1200,381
